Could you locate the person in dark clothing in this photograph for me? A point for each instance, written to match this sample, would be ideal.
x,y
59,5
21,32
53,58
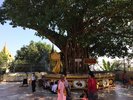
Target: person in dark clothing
x,y
84,95
25,80
124,79
33,84
68,89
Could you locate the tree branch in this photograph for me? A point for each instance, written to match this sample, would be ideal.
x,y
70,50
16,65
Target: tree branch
x,y
54,37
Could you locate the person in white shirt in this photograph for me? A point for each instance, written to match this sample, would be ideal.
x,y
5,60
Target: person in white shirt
x,y
33,84
54,87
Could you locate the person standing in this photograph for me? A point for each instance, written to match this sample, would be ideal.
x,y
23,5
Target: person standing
x,y
92,87
25,80
124,78
33,83
61,89
68,89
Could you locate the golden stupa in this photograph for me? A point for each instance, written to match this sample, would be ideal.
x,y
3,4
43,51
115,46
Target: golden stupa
x,y
9,55
10,58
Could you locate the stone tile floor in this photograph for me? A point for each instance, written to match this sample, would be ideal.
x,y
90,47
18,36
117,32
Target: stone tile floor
x,y
12,91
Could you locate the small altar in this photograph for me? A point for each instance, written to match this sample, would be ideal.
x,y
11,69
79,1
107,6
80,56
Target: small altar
x,y
78,81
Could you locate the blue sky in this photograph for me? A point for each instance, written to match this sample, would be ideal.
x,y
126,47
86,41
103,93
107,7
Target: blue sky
x,y
1,1
15,38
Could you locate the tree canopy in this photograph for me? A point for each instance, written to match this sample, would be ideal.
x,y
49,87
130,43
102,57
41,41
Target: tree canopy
x,y
103,26
33,53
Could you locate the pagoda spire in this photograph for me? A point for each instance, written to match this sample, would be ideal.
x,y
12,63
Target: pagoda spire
x,y
6,51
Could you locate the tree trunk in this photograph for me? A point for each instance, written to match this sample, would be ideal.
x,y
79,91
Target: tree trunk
x,y
73,58
71,50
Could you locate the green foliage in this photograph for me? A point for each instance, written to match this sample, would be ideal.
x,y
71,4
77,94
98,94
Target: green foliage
x,y
107,66
3,62
102,26
33,53
3,58
118,65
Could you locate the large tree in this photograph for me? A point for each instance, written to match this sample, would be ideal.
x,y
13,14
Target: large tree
x,y
33,53
80,28
32,57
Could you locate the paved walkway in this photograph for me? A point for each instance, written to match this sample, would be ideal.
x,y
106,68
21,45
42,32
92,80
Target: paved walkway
x,y
116,93
12,91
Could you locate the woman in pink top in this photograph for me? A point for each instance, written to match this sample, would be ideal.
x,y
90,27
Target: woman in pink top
x,y
61,89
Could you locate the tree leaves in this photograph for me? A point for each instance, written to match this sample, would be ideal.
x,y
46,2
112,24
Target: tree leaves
x,y
33,53
102,26
107,66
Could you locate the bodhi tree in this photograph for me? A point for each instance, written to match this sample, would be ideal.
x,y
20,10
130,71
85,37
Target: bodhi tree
x,y
79,28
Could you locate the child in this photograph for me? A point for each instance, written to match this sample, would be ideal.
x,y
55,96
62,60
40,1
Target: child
x,y
84,95
131,81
